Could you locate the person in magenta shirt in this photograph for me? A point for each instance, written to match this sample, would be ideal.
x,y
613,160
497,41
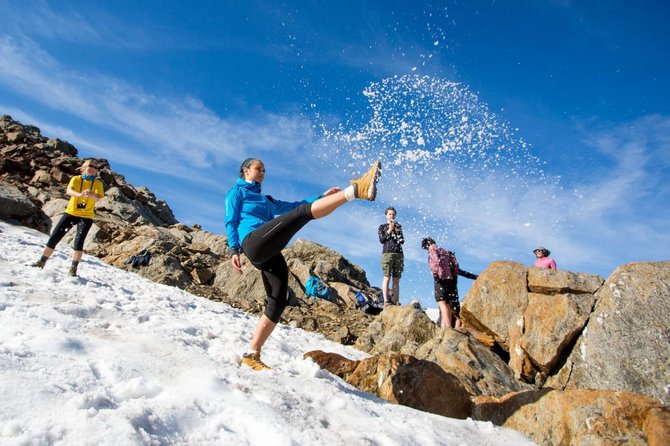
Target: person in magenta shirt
x,y
543,259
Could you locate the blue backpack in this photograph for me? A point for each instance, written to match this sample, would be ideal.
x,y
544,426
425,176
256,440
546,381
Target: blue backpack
x,y
367,304
316,288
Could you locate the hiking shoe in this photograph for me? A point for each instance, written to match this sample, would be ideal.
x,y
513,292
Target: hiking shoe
x,y
365,187
39,264
73,271
253,360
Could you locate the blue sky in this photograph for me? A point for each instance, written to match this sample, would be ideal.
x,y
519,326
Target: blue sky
x,y
501,125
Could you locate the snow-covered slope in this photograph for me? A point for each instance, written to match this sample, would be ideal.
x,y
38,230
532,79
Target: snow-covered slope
x,y
110,358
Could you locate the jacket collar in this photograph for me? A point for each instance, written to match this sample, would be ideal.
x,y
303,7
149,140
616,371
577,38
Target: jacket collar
x,y
252,187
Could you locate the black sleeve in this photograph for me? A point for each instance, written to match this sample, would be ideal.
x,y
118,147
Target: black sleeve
x,y
467,275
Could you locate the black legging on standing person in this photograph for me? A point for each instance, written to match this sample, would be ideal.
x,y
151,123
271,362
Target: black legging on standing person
x,y
66,223
263,248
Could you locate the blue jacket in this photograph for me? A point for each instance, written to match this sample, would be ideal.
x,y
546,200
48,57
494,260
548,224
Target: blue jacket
x,y
247,209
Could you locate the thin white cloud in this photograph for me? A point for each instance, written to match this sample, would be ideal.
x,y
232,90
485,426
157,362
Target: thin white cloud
x,y
178,130
90,26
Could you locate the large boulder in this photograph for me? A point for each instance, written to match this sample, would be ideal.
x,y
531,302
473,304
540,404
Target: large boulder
x,y
14,203
626,344
215,242
126,210
550,324
535,315
401,329
578,417
497,301
401,379
244,290
479,369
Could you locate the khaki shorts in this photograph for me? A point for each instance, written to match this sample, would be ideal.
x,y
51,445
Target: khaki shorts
x,y
392,264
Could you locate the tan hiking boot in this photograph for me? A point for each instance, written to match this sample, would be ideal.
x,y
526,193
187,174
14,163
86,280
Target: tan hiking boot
x,y
39,264
365,187
73,271
253,360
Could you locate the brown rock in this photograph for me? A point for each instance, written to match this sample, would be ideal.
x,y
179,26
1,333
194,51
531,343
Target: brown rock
x,y
41,177
203,276
519,359
398,329
551,323
59,176
483,338
497,300
336,364
551,281
344,293
402,379
216,243
199,247
626,343
575,417
657,426
478,369
15,137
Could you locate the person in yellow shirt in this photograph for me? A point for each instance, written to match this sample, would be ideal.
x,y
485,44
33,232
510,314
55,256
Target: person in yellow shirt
x,y
84,190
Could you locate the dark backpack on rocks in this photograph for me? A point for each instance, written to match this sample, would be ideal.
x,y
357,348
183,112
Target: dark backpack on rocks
x,y
367,304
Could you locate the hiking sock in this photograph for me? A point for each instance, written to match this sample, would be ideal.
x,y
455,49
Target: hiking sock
x,y
350,193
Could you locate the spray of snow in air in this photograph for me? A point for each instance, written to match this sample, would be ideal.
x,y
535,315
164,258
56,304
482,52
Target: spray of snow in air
x,y
450,164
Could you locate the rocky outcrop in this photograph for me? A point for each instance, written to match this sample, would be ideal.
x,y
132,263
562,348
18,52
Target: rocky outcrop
x,y
40,169
497,300
574,332
548,416
534,314
407,330
626,343
327,264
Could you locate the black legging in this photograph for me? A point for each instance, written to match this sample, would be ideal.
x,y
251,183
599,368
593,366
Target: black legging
x,y
64,225
263,249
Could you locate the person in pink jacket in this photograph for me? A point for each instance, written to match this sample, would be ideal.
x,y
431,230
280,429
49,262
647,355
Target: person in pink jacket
x,y
445,269
543,259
